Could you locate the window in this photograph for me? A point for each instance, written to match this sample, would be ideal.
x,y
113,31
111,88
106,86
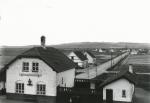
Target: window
x,y
124,93
72,57
62,80
20,88
41,89
25,67
35,67
76,64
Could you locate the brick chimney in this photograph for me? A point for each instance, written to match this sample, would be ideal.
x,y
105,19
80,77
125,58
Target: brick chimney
x,y
130,68
43,41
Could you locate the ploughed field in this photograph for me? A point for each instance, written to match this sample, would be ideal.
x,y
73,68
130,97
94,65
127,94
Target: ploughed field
x,y
142,91
139,59
141,96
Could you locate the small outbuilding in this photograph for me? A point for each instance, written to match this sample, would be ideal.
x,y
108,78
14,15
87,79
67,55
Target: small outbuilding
x,y
120,87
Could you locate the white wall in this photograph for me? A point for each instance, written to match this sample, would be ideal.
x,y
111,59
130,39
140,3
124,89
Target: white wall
x,y
68,78
47,76
90,59
117,87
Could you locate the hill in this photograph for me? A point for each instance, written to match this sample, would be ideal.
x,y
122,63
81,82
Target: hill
x,y
103,45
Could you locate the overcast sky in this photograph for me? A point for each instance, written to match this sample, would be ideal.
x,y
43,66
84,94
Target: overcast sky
x,y
22,22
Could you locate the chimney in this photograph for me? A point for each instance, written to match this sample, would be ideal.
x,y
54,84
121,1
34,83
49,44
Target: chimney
x,y
130,68
43,41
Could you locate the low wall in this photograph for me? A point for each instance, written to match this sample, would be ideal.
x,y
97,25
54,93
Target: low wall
x,y
112,62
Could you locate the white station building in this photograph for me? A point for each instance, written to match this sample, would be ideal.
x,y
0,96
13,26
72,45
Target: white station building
x,y
36,73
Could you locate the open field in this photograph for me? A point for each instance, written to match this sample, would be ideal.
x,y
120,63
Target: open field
x,y
141,66
139,59
143,81
141,96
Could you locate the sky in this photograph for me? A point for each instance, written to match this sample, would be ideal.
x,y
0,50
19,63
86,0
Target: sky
x,y
22,22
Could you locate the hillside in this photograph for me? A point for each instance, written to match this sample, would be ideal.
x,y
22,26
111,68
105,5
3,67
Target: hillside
x,y
103,45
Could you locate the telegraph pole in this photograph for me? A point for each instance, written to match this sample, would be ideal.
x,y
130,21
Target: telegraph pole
x,y
88,73
96,68
111,57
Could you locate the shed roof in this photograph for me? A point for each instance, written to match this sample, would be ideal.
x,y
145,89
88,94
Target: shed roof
x,y
122,74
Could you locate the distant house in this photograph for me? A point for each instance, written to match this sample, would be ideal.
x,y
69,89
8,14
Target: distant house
x,y
100,50
134,52
111,50
79,58
91,58
120,87
36,74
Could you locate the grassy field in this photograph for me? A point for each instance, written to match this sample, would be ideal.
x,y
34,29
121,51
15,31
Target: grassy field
x,y
141,64
143,81
139,59
141,96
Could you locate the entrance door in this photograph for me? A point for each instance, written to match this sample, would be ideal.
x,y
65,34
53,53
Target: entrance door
x,y
109,96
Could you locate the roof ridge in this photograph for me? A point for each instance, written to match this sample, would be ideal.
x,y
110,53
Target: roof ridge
x,y
26,51
49,56
117,76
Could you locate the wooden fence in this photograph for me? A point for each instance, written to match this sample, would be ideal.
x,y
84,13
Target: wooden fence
x,y
82,83
77,91
78,95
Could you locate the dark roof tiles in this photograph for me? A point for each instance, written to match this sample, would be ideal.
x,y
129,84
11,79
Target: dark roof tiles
x,y
80,55
51,56
122,74
92,55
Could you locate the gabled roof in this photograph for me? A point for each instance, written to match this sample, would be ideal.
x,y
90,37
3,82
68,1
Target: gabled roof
x,y
51,56
80,55
122,74
66,52
90,54
103,77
